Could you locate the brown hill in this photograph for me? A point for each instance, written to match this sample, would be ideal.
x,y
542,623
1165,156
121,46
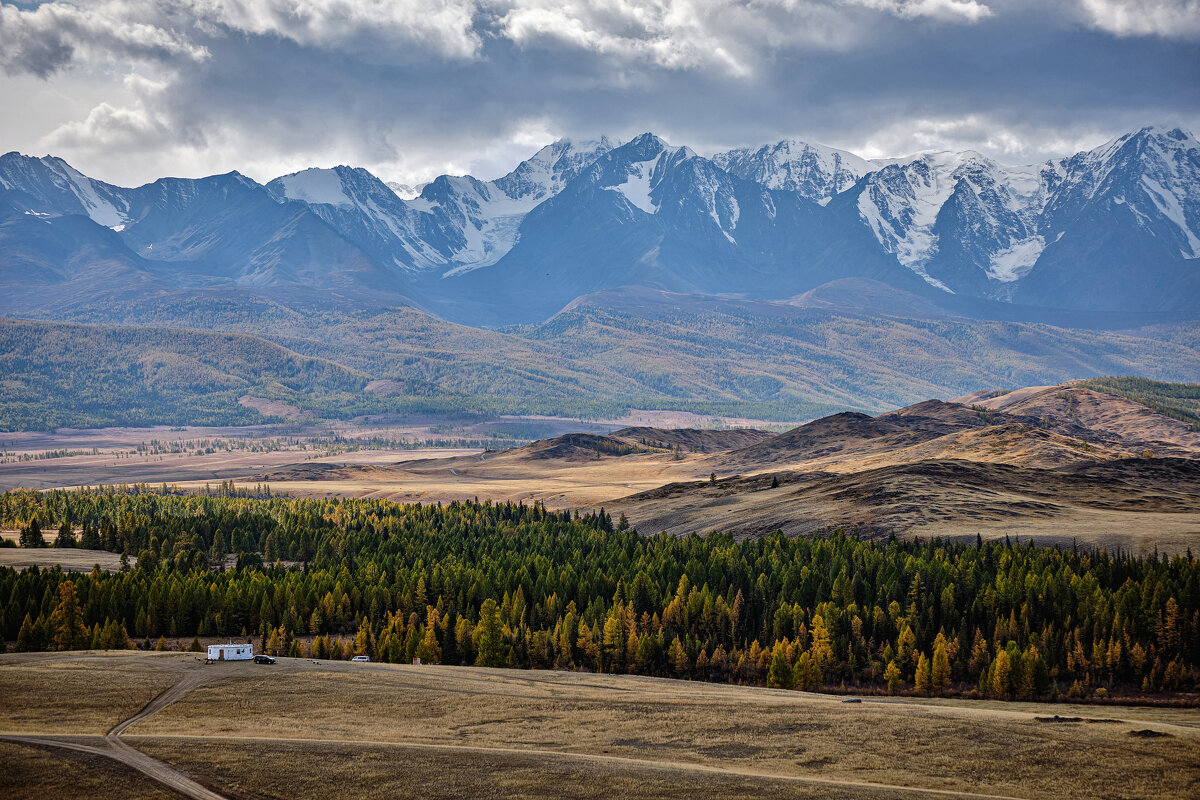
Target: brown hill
x,y
1106,416
1138,503
850,437
1056,463
692,440
835,435
1040,426
573,447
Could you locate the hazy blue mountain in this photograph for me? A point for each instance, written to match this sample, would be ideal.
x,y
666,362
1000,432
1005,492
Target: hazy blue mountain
x,y
219,230
1111,230
456,223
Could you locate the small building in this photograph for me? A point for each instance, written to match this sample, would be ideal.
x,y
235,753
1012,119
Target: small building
x,y
230,652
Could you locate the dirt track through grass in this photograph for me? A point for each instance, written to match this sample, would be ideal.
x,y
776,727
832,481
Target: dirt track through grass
x,y
112,746
303,729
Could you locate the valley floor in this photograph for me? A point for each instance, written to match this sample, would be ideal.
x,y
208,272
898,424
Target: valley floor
x,y
1062,465
301,729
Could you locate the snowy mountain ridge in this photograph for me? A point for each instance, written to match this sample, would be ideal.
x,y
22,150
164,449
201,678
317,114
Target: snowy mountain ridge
x,y
1115,227
815,171
454,224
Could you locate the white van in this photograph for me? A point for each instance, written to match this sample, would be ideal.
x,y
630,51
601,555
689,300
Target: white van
x,y
361,658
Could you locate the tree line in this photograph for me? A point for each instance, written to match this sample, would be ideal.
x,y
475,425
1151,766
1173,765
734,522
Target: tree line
x,y
526,587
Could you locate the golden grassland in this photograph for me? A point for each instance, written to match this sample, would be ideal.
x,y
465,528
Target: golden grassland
x,y
39,773
79,694
306,729
398,771
70,559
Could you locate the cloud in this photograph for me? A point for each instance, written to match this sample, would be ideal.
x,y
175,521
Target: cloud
x,y
1167,18
440,26
677,34
51,36
1007,140
131,129
45,39
132,90
944,10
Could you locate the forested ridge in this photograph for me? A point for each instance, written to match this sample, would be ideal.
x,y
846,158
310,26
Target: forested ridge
x,y
188,361
1179,401
522,586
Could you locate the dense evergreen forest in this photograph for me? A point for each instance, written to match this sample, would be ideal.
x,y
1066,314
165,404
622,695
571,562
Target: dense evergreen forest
x,y
519,586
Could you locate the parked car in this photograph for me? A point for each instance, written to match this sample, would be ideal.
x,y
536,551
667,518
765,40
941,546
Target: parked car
x,y
261,659
361,658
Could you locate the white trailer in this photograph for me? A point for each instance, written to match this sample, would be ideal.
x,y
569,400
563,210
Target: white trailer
x,y
230,652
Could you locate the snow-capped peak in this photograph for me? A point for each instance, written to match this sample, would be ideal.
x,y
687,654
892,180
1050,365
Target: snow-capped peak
x,y
815,171
1152,172
315,186
635,169
50,175
405,191
547,171
903,201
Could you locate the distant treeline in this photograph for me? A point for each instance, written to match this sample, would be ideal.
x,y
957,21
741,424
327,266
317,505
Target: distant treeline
x,y
94,376
520,586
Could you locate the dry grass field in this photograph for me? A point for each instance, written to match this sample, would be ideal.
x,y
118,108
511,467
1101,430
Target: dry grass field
x,y
71,560
115,460
79,694
37,773
188,469
302,729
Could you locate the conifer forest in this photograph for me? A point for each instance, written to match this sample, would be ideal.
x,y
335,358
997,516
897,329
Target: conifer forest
x,y
511,585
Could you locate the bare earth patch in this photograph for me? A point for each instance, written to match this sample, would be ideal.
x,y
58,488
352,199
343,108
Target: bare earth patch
x,y
271,408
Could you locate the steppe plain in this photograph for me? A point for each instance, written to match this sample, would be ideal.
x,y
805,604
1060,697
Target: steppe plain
x,y
306,729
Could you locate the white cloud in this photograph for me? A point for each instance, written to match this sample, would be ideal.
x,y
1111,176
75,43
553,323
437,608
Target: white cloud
x,y
133,89
132,128
1167,18
443,26
945,10
1007,142
677,34
49,37
45,39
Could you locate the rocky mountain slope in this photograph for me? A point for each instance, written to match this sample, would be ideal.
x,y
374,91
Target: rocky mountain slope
x,y
1116,228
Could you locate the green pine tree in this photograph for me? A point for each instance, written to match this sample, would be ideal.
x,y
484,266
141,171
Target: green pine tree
x,y
31,536
489,636
780,674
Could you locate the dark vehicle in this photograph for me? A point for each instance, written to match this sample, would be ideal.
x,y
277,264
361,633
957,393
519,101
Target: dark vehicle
x,y
263,660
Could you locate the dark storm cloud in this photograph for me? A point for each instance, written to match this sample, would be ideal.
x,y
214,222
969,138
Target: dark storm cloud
x,y
412,89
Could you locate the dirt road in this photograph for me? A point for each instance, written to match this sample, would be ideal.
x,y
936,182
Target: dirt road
x,y
112,746
267,727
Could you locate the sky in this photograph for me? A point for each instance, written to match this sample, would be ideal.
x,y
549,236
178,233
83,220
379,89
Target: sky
x,y
132,90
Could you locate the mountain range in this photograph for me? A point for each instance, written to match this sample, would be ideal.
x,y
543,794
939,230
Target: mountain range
x,y
1114,230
